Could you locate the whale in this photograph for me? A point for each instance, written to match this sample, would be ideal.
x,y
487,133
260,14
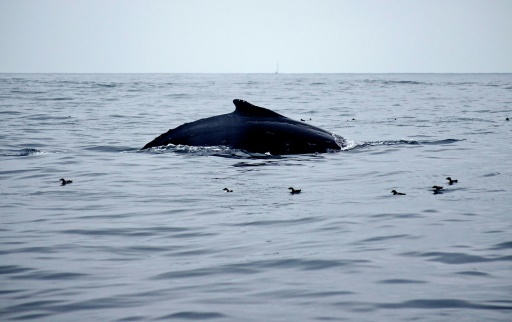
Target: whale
x,y
252,129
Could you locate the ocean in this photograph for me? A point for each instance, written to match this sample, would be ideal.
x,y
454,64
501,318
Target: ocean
x,y
151,235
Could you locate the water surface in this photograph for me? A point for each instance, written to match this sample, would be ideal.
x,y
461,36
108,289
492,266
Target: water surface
x,y
151,235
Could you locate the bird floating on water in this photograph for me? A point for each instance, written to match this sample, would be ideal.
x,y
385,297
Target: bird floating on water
x,y
396,193
451,181
65,182
227,190
437,190
294,191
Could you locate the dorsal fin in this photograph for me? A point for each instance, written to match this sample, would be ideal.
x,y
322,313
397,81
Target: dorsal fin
x,y
247,109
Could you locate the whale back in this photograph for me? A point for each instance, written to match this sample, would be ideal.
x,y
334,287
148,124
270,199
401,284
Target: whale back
x,y
253,129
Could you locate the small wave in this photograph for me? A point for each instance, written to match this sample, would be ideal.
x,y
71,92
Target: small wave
x,y
55,99
255,164
48,275
193,316
106,85
26,92
502,246
217,151
13,269
10,112
405,82
441,304
21,153
350,144
199,150
435,304
458,258
178,95
394,82
355,144
101,148
225,152
286,223
401,281
458,83
440,142
252,267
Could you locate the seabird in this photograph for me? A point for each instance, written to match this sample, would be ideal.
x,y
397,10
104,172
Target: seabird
x,y
451,181
65,182
294,191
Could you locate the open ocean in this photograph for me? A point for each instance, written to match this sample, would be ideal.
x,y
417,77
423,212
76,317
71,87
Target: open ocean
x,y
151,235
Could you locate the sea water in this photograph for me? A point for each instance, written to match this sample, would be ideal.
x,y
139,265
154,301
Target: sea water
x,y
151,235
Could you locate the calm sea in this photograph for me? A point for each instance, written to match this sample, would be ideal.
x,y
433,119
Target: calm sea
x,y
151,235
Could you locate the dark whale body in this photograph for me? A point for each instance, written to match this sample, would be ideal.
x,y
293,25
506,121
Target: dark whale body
x,y
252,129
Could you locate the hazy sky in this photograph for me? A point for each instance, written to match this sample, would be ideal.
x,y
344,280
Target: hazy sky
x,y
245,36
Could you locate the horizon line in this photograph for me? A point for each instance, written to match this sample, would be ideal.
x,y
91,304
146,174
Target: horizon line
x,y
273,73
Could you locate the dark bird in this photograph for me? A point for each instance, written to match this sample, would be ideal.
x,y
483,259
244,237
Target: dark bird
x,y
65,182
294,191
227,190
396,193
437,190
507,119
451,181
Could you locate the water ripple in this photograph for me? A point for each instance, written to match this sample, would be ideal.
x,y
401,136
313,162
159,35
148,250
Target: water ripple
x,y
458,258
254,267
194,316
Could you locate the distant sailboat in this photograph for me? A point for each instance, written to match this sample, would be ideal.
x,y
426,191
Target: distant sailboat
x,y
277,68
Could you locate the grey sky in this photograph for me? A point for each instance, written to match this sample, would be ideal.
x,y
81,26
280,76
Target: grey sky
x,y
237,36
